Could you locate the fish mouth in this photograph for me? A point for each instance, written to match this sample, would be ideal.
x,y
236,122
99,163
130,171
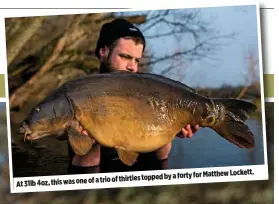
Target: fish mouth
x,y
30,135
26,130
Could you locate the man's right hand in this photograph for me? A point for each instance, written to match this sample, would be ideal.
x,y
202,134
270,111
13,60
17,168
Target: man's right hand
x,y
92,158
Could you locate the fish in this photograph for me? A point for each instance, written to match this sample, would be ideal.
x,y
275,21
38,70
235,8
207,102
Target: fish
x,y
133,113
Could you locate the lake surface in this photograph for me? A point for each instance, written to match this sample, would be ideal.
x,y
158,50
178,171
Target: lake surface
x,y
206,148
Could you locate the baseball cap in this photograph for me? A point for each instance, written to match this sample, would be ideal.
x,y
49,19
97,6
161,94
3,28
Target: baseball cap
x,y
115,29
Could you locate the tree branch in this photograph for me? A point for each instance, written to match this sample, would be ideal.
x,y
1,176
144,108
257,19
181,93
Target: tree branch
x,y
196,51
19,39
46,67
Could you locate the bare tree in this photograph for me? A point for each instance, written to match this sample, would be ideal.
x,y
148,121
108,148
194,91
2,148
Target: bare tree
x,y
190,37
251,77
43,68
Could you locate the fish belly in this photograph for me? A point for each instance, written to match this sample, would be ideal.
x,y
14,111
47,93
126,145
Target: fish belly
x,y
139,124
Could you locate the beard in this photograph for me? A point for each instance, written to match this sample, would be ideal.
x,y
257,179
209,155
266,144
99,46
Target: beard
x,y
106,65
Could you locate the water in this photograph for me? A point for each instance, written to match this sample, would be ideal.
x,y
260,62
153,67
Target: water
x,y
207,149
47,156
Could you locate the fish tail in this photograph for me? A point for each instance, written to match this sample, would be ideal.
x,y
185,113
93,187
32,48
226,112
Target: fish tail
x,y
230,122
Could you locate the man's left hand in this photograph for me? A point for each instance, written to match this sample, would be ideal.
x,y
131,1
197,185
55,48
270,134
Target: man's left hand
x,y
188,132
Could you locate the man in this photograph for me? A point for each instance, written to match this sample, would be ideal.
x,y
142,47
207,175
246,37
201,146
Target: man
x,y
120,47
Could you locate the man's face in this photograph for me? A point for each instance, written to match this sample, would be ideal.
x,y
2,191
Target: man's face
x,y
124,56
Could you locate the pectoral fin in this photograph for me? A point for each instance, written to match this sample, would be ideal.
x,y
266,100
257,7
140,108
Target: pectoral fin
x,y
80,143
127,157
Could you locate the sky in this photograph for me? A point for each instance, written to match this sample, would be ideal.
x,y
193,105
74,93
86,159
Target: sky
x,y
229,64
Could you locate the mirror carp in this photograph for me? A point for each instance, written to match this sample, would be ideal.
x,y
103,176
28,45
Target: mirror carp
x,y
133,113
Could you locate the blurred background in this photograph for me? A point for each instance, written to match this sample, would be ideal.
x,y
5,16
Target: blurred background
x,y
214,50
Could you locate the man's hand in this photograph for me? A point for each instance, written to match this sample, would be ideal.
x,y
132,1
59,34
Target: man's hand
x,y
187,132
92,158
83,131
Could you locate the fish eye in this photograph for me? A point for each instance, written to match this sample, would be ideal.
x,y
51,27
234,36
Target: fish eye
x,y
37,109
